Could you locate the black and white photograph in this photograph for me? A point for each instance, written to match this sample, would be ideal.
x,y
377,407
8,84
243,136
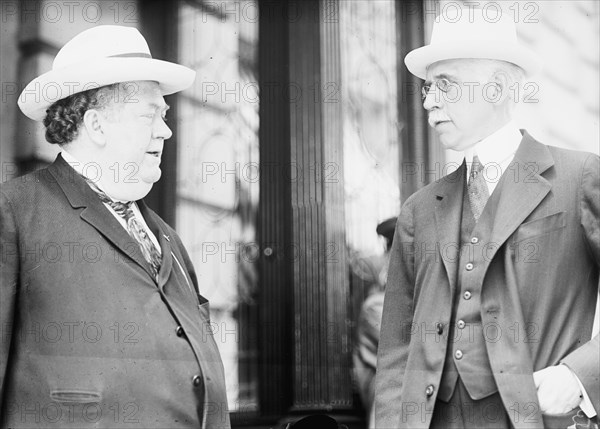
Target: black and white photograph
x,y
300,214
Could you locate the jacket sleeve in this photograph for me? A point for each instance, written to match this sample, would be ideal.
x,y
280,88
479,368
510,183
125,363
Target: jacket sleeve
x,y
585,360
9,275
396,323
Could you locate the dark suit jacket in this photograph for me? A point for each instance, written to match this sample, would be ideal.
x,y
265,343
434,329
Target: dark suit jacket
x,y
89,338
539,275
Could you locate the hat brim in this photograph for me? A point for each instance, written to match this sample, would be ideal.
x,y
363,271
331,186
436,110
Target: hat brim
x,y
419,59
57,84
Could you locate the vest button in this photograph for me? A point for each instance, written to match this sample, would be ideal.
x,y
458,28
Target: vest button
x,y
467,295
461,324
429,390
440,328
196,380
474,240
179,331
458,354
469,266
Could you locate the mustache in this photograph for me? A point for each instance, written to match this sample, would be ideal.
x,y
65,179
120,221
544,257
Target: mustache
x,y
435,117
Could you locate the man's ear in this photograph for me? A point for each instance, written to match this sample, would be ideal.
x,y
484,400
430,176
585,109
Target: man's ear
x,y
502,84
94,123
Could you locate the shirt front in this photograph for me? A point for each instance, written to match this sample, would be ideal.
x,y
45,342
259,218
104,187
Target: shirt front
x,y
495,153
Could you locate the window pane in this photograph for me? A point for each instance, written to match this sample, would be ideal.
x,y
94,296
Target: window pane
x,y
371,162
371,142
217,188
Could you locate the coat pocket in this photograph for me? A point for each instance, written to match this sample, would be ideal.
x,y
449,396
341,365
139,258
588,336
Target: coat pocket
x,y
574,419
75,396
541,226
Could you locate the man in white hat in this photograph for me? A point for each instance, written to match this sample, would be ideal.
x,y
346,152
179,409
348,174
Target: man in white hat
x,y
103,324
493,276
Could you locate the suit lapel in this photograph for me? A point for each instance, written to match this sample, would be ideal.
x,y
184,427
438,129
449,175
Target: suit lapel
x,y
522,189
80,195
164,241
448,211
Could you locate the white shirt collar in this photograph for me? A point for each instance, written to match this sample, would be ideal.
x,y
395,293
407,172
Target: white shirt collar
x,y
72,161
498,148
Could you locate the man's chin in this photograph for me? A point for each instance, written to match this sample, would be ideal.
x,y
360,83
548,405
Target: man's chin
x,y
130,191
448,143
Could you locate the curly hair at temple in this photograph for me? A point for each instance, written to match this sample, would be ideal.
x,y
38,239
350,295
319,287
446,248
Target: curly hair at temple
x,y
64,117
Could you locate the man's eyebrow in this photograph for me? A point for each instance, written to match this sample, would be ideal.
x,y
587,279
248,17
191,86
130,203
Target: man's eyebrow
x,y
439,77
445,76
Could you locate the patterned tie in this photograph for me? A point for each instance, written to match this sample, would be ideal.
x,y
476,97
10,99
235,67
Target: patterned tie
x,y
477,188
134,227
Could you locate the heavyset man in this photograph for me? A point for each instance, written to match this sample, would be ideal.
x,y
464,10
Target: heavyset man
x,y
103,322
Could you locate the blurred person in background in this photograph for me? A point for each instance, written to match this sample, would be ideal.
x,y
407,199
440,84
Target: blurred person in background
x,y
369,324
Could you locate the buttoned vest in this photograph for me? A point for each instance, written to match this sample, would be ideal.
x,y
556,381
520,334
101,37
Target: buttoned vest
x,y
466,353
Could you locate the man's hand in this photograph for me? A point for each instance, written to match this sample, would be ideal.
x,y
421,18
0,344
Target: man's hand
x,y
557,388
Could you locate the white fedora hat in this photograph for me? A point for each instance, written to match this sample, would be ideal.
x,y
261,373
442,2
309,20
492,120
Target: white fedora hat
x,y
100,56
473,33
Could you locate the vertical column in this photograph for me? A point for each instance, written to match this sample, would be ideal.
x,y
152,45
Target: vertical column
x,y
37,47
415,163
274,225
9,88
321,359
305,350
338,288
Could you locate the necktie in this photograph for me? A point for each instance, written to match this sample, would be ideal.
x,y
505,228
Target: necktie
x,y
477,188
134,227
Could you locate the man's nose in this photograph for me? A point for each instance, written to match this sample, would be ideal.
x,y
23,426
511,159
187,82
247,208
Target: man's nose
x,y
162,130
432,99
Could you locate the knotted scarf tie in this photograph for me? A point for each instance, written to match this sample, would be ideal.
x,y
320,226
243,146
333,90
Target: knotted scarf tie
x,y
134,227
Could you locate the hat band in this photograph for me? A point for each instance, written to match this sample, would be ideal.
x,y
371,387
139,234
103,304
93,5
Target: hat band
x,y
132,55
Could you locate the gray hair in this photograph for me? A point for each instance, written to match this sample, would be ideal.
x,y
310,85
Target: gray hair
x,y
515,75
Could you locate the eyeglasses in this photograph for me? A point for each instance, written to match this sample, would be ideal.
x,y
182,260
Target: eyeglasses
x,y
443,85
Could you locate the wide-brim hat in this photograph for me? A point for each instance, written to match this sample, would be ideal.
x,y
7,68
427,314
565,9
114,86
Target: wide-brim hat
x,y
473,33
103,55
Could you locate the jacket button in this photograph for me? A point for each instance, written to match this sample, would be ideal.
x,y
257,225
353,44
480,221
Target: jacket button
x,y
469,266
196,380
440,328
179,331
461,324
458,354
467,295
429,390
474,240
